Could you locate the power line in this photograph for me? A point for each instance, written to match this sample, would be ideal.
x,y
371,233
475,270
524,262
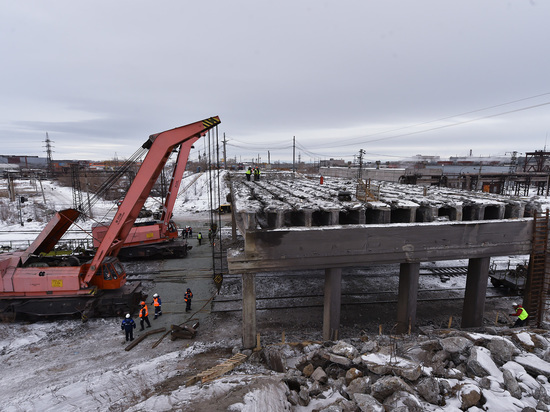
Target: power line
x,y
364,139
360,139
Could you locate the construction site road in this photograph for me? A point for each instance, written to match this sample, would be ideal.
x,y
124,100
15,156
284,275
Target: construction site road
x,y
171,278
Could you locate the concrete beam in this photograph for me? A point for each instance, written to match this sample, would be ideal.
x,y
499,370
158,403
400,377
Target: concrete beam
x,y
361,245
333,302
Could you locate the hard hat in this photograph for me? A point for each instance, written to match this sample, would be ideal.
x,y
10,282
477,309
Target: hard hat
x,y
127,315
189,290
514,304
142,303
156,295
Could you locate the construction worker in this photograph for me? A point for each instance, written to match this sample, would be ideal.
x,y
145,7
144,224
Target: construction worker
x,y
522,315
248,173
157,304
199,238
144,315
188,296
128,326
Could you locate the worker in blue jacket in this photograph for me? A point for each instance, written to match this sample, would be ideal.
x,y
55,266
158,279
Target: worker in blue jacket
x,y
128,325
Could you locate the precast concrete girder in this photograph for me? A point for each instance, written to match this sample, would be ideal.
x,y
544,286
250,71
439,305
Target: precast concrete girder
x,y
359,245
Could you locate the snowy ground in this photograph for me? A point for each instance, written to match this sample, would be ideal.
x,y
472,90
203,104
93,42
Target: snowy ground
x,y
70,366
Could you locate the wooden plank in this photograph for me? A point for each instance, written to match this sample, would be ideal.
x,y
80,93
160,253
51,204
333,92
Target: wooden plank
x,y
357,245
218,370
142,337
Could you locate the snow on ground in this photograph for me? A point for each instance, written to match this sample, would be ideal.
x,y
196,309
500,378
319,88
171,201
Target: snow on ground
x,y
194,198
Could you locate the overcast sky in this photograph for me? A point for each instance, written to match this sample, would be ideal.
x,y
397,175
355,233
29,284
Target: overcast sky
x,y
394,78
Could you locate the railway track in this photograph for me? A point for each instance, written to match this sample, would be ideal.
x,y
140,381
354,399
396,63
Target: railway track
x,y
234,304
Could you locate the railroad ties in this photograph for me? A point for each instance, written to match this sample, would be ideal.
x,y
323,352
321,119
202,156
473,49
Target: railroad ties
x,y
218,370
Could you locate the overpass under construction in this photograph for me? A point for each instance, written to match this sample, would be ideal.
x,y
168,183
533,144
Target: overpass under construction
x,y
296,224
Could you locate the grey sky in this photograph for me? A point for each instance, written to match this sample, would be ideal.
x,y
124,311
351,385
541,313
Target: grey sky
x,y
101,76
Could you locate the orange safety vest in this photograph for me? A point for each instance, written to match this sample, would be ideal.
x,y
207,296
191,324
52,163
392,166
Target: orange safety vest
x,y
156,301
141,315
188,295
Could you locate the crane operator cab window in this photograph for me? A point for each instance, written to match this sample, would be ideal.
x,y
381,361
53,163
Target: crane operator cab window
x,y
108,272
110,275
172,227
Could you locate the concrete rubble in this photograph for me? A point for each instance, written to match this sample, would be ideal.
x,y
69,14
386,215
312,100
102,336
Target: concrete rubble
x,y
440,369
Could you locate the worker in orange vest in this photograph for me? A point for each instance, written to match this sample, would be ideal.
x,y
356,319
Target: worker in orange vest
x,y
188,296
144,315
157,304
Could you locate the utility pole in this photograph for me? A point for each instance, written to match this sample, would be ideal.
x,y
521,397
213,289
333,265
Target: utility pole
x,y
90,213
224,154
77,190
360,173
293,155
11,187
49,155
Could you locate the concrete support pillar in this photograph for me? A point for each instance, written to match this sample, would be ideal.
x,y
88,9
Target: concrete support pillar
x,y
501,211
477,212
334,217
476,290
459,214
408,296
425,214
249,310
362,218
333,300
412,214
275,218
308,217
514,210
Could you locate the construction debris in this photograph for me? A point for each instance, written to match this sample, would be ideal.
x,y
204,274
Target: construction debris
x,y
183,332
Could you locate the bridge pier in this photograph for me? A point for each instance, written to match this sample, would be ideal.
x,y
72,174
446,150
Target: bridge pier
x,y
332,303
408,296
249,310
476,289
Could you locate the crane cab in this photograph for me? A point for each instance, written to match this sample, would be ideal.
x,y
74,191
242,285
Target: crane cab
x,y
110,275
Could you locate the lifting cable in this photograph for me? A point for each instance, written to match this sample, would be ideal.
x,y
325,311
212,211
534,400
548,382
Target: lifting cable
x,y
215,228
113,178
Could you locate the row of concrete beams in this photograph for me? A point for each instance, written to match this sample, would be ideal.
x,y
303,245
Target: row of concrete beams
x,y
306,203
410,203
332,248
467,205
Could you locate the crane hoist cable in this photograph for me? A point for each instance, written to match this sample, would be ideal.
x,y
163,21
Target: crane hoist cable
x,y
113,178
